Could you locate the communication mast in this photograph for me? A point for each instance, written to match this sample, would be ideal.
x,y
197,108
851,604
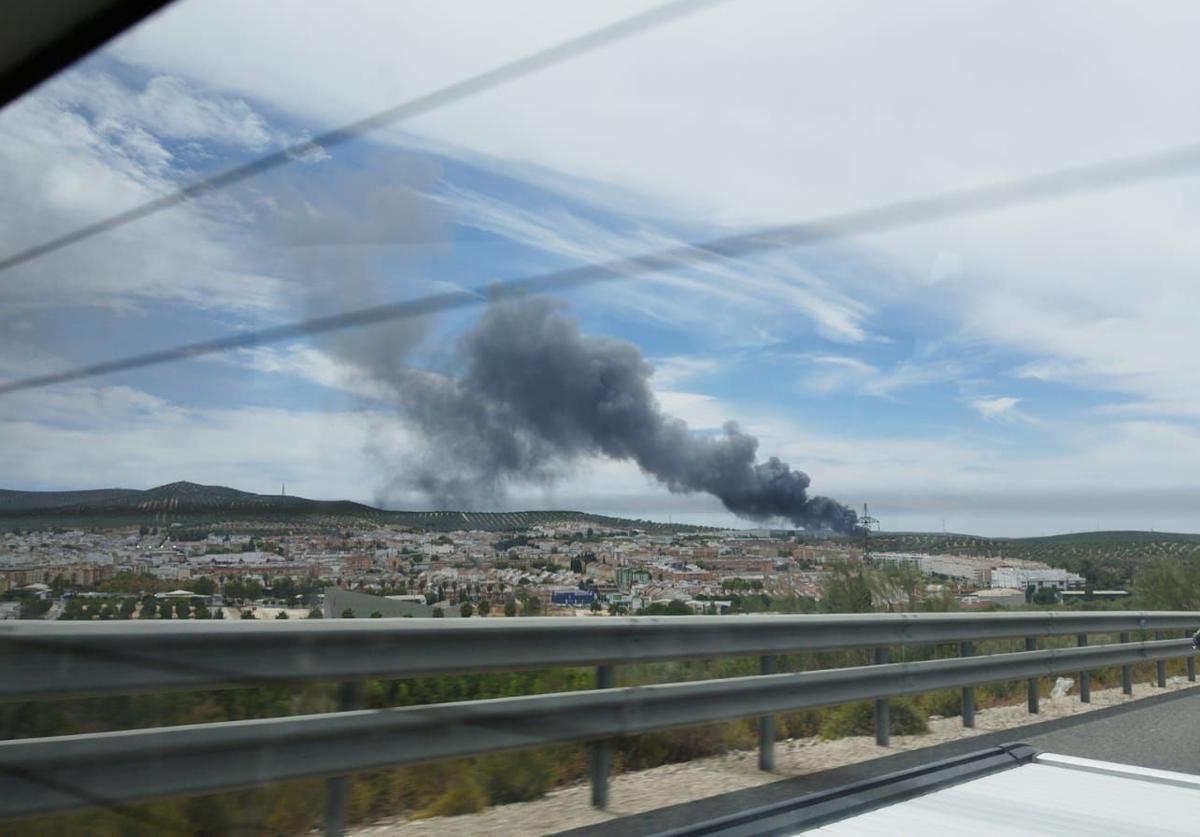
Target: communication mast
x,y
868,523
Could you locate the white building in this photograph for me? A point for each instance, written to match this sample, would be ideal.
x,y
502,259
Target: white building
x,y
1000,597
899,559
952,566
1021,577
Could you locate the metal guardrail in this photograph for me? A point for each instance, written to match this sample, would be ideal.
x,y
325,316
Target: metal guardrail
x,y
90,658
53,774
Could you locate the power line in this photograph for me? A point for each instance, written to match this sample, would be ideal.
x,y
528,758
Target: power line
x,y
512,71
1061,183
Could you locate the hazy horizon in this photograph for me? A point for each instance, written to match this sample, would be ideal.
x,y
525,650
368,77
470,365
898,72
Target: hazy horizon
x,y
692,510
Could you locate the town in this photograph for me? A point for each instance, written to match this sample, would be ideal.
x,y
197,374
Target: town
x,y
572,568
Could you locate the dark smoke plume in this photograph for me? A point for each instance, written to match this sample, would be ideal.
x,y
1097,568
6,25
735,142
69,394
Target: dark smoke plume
x,y
529,396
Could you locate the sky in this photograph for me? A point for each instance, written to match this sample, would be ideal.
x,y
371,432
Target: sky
x,y
1024,372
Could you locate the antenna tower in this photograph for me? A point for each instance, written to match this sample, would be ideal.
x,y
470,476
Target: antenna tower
x,y
868,523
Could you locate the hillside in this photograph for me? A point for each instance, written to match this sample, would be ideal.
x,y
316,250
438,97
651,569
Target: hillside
x,y
1109,558
192,506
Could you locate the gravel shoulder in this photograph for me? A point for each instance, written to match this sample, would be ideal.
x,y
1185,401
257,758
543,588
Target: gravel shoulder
x,y
637,792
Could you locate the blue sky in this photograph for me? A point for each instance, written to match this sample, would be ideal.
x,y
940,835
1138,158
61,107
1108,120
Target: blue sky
x,y
1026,373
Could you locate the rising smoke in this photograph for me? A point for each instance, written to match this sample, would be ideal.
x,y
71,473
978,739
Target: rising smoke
x,y
529,396
525,396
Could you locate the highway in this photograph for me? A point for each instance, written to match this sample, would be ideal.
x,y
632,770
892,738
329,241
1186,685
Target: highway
x,y
1161,732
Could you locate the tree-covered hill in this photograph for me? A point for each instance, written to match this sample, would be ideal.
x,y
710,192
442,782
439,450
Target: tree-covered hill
x,y
195,506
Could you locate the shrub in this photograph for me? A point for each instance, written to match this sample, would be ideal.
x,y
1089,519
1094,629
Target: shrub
x,y
803,724
944,702
670,746
463,796
516,777
859,719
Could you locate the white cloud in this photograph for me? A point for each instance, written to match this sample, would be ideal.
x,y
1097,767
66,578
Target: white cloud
x,y
719,296
828,106
114,436
1003,406
74,158
670,372
823,373
168,106
314,365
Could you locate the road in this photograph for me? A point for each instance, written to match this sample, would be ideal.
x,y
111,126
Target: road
x,y
1161,732
1165,735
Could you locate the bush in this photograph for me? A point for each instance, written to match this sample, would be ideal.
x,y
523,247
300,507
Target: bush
x,y
463,796
945,702
670,746
859,719
803,724
516,777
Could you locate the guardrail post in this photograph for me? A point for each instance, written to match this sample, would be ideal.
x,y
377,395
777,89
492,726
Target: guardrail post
x,y
882,722
602,750
1160,666
1126,671
337,789
1031,685
766,723
1085,678
966,648
1191,667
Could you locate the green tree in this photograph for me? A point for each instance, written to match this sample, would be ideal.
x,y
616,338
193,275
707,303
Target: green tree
x,y
348,613
375,614
845,590
1168,584
675,607
34,608
466,609
203,586
247,614
284,588
315,613
1046,596
281,615
891,585
149,609
135,583
182,609
510,607
485,607
438,613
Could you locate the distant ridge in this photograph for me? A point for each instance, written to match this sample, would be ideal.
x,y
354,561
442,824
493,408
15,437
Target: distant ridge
x,y
189,503
1108,558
